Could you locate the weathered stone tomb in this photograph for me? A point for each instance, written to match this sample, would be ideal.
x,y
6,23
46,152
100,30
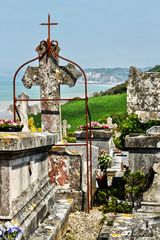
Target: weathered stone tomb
x,y
143,94
144,151
25,190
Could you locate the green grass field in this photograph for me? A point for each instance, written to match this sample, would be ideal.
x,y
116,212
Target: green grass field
x,y
74,111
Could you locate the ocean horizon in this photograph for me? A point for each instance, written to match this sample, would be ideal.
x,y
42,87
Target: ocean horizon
x,y
6,91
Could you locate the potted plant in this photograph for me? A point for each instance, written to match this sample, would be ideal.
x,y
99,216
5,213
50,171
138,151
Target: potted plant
x,y
10,126
104,161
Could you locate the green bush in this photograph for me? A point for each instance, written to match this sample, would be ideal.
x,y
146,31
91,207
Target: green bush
x,y
131,124
123,197
101,196
135,184
114,205
70,134
118,89
156,68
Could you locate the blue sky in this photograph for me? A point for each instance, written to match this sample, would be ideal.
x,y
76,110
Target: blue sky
x,y
94,33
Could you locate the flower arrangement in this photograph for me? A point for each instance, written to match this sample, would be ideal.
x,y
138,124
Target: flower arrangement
x,y
9,125
94,125
10,232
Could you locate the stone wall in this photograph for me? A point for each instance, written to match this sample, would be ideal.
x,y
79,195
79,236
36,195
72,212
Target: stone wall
x,y
143,94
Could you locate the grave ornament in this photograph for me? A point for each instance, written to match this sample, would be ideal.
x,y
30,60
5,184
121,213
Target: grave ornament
x,y
49,76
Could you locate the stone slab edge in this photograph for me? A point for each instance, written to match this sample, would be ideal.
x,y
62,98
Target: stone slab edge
x,y
23,141
54,225
143,141
32,202
37,215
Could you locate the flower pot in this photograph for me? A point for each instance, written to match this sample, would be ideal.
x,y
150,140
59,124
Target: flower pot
x,y
102,181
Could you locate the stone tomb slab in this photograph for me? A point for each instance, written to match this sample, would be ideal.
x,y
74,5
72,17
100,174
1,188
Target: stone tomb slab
x,y
144,151
23,169
100,138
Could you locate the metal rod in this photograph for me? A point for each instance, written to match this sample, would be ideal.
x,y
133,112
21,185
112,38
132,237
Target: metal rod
x,y
49,24
87,150
49,30
90,148
88,160
47,99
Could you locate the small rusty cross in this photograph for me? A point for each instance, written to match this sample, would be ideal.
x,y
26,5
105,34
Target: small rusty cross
x,y
49,24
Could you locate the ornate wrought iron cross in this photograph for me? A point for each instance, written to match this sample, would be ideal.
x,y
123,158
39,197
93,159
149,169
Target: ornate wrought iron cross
x,y
49,24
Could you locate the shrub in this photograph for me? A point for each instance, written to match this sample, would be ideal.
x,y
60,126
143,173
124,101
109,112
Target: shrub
x,y
116,118
118,89
132,125
135,184
101,196
114,205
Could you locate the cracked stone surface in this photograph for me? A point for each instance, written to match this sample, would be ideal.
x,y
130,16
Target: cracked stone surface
x,y
49,76
143,94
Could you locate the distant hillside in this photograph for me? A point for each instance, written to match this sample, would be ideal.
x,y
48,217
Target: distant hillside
x,y
106,75
118,89
155,69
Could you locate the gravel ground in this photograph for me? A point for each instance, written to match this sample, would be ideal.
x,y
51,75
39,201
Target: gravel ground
x,y
84,226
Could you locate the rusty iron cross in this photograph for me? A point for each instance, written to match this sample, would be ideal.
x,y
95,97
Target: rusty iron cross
x,y
49,24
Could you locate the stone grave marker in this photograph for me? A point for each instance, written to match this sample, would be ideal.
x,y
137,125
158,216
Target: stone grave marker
x,y
49,76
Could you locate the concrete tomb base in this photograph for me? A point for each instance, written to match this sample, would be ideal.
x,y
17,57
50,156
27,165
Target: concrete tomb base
x,y
25,190
100,138
144,151
69,171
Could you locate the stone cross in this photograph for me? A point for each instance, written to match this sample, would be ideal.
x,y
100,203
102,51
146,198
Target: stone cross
x,y
109,121
110,124
23,111
64,128
49,76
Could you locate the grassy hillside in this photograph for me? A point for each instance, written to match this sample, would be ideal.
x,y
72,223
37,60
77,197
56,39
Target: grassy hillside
x,y
74,112
155,69
118,89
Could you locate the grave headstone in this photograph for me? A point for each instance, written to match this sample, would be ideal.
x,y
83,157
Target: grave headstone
x,y
49,76
23,111
64,128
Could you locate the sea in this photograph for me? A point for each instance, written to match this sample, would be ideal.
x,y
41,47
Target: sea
x,y
6,91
